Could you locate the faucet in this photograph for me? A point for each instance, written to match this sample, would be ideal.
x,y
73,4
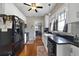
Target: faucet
x,y
76,38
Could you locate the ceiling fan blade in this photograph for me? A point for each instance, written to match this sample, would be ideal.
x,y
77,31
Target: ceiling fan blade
x,y
36,10
27,4
29,9
39,7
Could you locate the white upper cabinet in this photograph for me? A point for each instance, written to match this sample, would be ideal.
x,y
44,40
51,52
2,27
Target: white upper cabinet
x,y
46,21
73,12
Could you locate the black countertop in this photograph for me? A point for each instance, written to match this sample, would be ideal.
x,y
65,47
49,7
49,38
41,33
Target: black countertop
x,y
61,40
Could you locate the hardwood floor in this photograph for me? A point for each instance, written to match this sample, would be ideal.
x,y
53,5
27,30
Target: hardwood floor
x,y
31,48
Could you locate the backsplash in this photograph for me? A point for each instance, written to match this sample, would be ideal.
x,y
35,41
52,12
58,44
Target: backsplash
x,y
75,28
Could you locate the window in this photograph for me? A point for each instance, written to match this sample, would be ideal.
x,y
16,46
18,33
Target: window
x,y
61,21
51,28
53,24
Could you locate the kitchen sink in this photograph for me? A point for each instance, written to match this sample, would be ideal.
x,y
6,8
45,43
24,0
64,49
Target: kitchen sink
x,y
76,40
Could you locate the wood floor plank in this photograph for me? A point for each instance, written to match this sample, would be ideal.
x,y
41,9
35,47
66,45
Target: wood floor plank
x,y
31,49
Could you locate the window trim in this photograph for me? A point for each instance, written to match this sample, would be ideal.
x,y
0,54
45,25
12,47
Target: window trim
x,y
60,17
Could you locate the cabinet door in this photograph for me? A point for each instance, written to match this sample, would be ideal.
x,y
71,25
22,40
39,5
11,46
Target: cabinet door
x,y
73,13
75,51
63,50
59,50
51,47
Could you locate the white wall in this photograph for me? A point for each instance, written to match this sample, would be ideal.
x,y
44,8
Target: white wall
x,y
1,8
30,25
11,9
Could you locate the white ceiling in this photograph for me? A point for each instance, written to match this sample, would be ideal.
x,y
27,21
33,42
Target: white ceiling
x,y
41,12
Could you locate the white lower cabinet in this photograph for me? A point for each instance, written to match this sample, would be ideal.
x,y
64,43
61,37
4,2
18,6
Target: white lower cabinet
x,y
75,50
67,50
63,50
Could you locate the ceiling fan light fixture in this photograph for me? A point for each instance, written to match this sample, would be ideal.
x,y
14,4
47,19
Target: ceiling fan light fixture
x,y
33,8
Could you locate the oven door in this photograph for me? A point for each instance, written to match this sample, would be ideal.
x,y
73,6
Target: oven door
x,y
51,48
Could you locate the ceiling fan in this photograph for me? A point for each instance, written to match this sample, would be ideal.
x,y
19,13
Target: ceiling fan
x,y
33,6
